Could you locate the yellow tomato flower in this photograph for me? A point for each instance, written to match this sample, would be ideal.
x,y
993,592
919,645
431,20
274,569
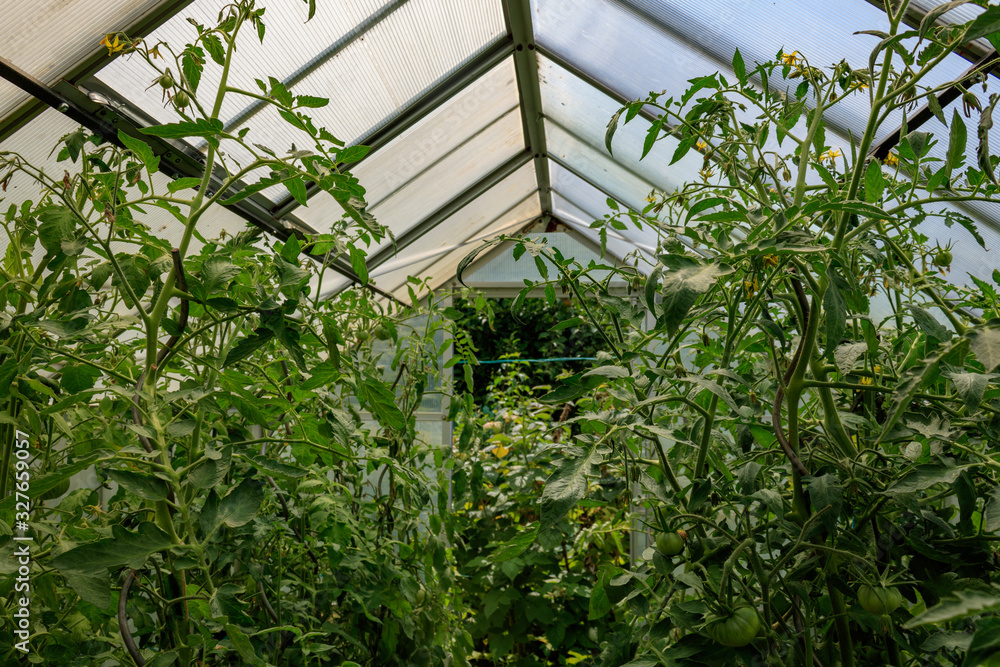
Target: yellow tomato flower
x,y
706,173
867,380
771,260
892,159
790,58
701,145
113,47
830,154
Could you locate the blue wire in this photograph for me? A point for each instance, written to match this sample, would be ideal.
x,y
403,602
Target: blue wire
x,y
531,361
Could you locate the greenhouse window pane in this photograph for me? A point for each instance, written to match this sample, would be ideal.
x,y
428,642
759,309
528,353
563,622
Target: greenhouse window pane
x,y
50,37
584,111
493,95
619,243
647,45
35,142
369,73
508,205
487,99
450,177
596,166
435,186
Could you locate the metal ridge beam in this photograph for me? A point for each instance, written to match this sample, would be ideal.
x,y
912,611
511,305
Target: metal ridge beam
x,y
177,159
518,16
449,209
30,109
419,109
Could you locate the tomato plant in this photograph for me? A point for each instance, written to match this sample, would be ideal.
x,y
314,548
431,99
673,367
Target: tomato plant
x,y
787,379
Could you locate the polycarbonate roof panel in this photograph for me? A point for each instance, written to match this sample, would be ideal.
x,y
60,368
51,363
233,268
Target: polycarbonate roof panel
x,y
503,270
596,166
453,174
35,143
48,38
584,111
585,204
443,266
507,205
618,246
492,96
369,74
289,43
441,133
658,45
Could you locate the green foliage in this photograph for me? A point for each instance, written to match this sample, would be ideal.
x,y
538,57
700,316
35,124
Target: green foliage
x,y
815,405
535,329
267,498
527,582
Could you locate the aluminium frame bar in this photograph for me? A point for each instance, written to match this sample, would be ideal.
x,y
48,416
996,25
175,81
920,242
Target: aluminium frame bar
x,y
178,160
517,14
424,105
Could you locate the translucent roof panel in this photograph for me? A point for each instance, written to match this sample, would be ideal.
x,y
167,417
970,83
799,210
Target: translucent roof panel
x,y
504,271
513,201
579,220
483,107
50,37
576,105
595,165
582,203
661,44
437,185
492,96
371,60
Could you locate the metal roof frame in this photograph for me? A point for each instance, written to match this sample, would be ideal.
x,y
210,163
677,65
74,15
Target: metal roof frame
x,y
420,108
517,13
277,219
447,210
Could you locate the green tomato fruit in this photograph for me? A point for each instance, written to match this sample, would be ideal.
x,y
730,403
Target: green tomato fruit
x,y
669,544
421,596
880,600
166,81
181,99
737,630
943,258
363,336
380,333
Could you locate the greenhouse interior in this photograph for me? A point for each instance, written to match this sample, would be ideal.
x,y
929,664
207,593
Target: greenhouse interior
x,y
620,333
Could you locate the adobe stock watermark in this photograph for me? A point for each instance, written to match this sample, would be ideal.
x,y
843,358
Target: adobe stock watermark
x,y
22,550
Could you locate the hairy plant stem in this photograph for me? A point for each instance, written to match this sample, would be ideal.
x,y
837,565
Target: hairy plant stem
x,y
844,639
706,434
